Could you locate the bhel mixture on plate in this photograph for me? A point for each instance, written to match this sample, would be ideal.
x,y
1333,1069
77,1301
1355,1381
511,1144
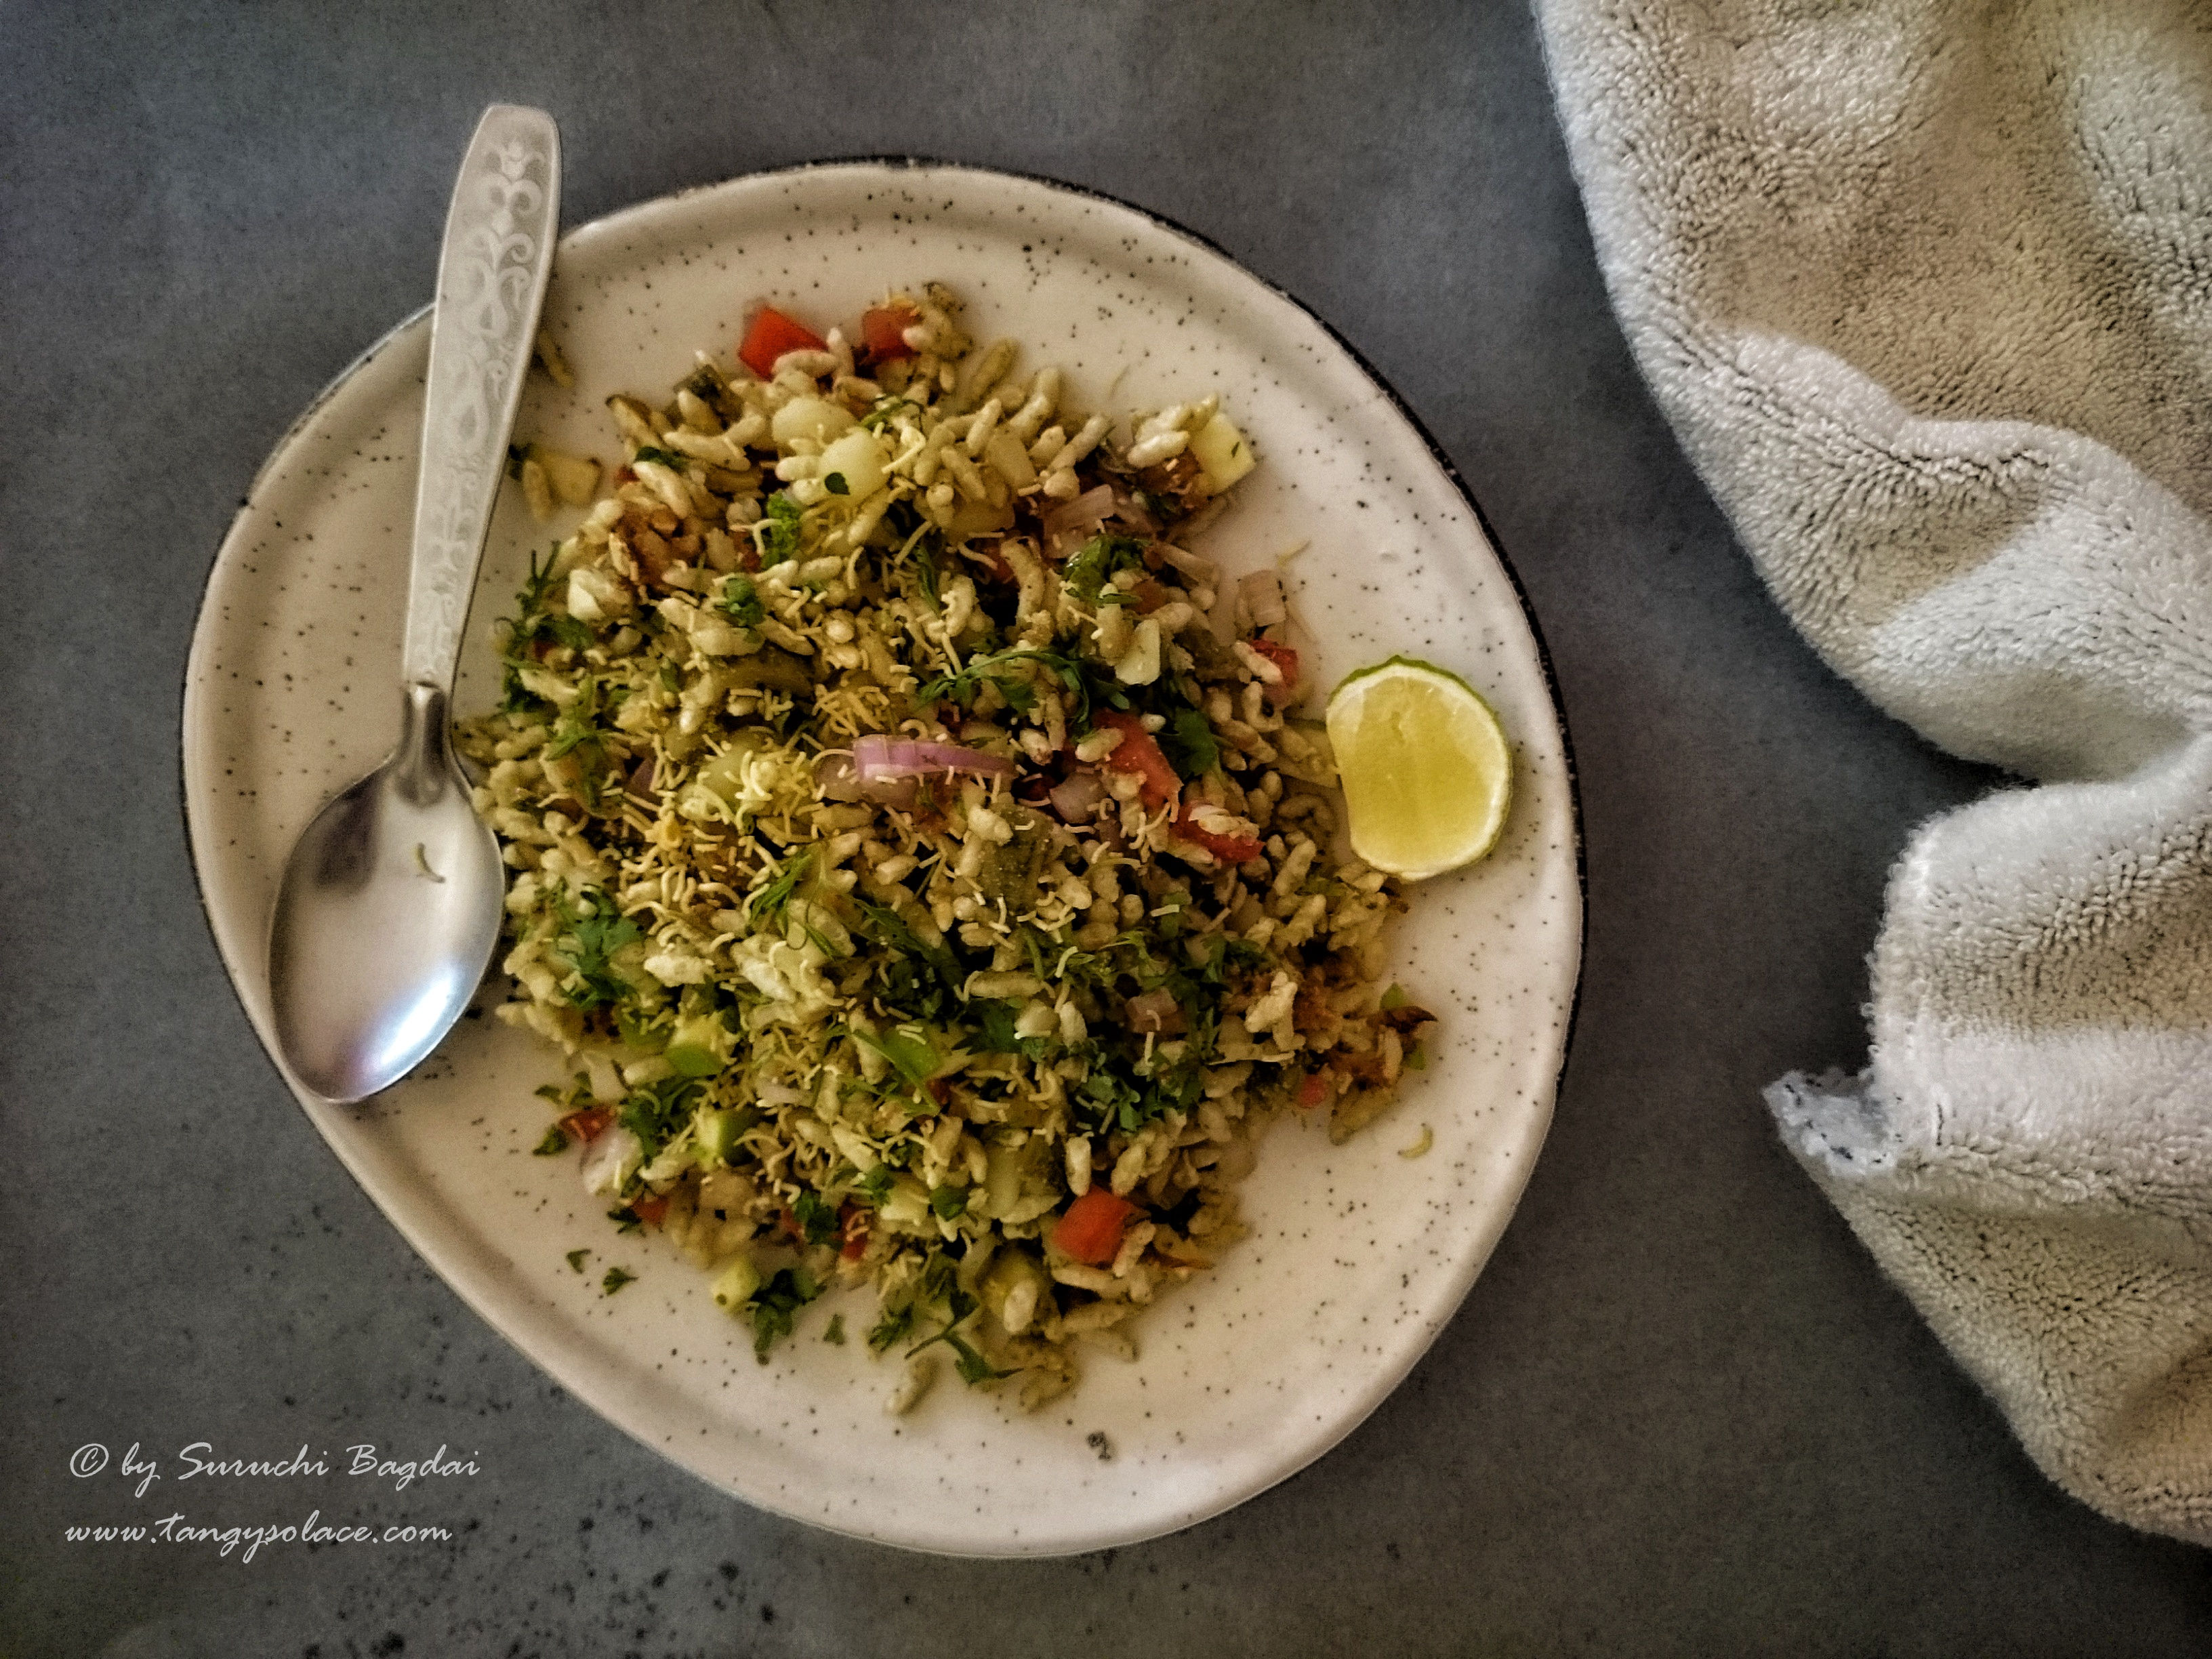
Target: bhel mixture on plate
x,y
914,849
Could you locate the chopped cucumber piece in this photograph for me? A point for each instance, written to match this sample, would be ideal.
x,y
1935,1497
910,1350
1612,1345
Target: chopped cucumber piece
x,y
737,1284
718,1133
700,1047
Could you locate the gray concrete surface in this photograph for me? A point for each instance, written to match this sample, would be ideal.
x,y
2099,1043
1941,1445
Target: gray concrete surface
x,y
1680,1413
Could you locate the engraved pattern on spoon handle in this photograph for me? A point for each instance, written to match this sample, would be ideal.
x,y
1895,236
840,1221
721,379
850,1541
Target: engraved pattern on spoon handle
x,y
498,247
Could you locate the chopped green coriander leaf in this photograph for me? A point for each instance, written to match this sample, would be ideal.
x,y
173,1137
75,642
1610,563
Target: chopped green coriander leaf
x,y
1087,572
949,1202
924,568
835,1334
579,723
779,531
616,1279
667,457
626,1220
556,1141
657,1113
1167,916
1189,744
938,1274
875,1186
770,902
958,1303
836,484
576,1261
996,1033
817,1221
595,938
515,697
888,1330
937,959
1000,671
1110,1100
995,1026
1395,996
775,1307
569,632
539,578
1417,1059
972,1366
742,604
909,1055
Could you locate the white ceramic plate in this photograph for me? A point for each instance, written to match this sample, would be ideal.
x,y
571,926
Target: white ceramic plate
x,y
1358,1256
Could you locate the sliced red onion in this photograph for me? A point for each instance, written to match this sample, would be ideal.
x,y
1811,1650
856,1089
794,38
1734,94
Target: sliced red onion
x,y
1077,797
1086,511
609,1158
1155,1011
839,779
878,758
897,793
1071,524
1131,512
640,781
1198,569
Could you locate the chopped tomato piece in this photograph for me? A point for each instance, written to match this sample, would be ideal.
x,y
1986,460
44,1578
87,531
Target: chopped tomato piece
x,y
1149,595
649,1209
769,335
1091,1233
1317,1087
852,1227
1139,753
1284,657
882,332
1229,849
587,1124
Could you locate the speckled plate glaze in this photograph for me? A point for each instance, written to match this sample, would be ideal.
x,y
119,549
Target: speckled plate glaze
x,y
1358,1256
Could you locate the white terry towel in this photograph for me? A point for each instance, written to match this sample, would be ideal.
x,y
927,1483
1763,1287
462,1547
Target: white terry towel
x,y
1926,290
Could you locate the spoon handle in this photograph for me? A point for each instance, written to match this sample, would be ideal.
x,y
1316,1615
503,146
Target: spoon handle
x,y
492,267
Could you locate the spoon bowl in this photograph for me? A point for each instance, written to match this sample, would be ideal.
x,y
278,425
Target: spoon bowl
x,y
391,901
387,916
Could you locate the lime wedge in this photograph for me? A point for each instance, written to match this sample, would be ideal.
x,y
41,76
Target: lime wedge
x,y
1427,775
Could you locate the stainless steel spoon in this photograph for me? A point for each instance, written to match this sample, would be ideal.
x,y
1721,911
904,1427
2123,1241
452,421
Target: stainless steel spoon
x,y
391,901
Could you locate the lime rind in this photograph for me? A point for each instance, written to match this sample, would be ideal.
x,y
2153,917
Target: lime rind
x,y
1403,661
